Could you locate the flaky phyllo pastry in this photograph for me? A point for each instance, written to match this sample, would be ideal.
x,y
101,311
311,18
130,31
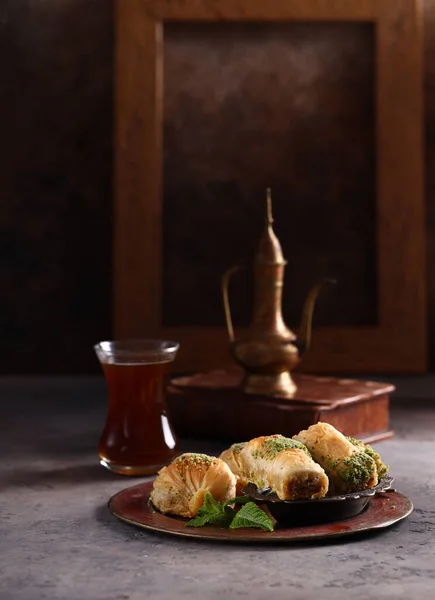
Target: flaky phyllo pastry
x,y
232,457
283,465
349,467
180,488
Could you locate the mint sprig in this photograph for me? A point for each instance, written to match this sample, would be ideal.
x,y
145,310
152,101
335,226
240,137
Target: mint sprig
x,y
224,516
212,512
251,515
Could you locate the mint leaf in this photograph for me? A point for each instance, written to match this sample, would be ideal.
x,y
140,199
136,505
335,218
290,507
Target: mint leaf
x,y
250,515
227,517
238,500
199,520
212,512
211,505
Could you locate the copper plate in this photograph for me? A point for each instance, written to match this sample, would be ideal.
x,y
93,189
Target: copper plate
x,y
133,506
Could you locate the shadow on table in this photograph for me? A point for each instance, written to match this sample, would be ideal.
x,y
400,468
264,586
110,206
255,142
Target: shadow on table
x,y
26,443
54,478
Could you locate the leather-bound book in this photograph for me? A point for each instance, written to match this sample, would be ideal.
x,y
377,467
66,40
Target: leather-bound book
x,y
213,406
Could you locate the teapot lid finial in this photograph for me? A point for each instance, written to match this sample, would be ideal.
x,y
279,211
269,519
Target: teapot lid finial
x,y
269,218
269,250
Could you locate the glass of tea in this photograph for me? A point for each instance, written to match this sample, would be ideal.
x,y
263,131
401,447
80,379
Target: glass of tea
x,y
137,438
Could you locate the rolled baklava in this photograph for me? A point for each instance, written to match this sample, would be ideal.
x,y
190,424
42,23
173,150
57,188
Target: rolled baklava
x,y
180,488
283,465
349,467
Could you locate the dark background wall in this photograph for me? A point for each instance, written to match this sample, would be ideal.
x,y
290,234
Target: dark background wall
x,y
55,174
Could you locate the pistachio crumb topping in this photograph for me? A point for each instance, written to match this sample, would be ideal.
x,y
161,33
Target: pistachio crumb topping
x,y
380,465
194,459
357,469
237,448
354,441
275,444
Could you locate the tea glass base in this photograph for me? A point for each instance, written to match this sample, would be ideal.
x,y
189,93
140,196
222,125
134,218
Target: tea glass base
x,y
133,471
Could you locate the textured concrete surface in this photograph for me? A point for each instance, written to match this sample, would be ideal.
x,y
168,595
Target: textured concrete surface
x,y
58,540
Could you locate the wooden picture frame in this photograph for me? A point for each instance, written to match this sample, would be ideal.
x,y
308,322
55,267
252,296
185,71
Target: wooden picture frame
x,y
398,343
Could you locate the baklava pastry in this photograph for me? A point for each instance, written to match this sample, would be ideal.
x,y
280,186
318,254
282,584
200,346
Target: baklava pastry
x,y
283,465
180,488
349,467
232,457
381,467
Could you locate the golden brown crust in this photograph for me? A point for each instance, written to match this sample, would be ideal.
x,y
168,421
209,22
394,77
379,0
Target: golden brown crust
x,y
284,466
180,488
232,457
348,467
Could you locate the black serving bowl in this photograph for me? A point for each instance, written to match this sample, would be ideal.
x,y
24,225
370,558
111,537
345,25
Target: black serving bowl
x,y
322,510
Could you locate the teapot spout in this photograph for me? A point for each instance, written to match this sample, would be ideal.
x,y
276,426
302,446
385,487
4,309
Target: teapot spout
x,y
304,337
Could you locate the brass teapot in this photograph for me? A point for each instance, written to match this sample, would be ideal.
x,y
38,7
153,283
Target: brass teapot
x,y
270,350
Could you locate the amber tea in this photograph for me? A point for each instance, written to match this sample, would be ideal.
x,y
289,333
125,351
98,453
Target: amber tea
x,y
137,438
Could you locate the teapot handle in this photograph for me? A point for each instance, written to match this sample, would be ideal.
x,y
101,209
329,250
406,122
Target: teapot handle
x,y
224,284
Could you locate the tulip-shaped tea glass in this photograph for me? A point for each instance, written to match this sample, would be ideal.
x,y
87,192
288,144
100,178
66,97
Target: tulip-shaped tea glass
x,y
137,438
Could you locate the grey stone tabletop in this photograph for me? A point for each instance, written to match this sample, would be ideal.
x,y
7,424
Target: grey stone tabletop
x,y
58,540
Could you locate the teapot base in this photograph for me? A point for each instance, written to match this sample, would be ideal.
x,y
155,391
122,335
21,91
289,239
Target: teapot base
x,y
276,384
